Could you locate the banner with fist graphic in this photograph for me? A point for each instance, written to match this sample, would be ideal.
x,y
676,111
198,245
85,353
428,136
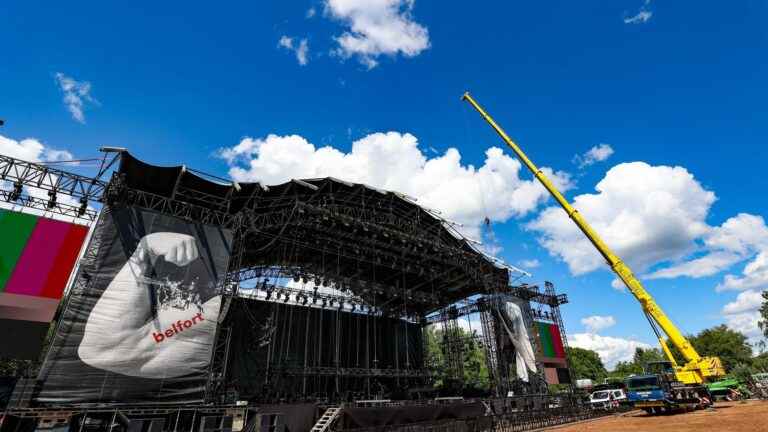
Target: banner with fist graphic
x,y
143,327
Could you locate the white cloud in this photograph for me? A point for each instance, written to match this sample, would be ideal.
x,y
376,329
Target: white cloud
x,y
743,314
377,27
742,234
739,238
32,150
285,42
393,161
77,95
745,302
707,265
755,275
311,12
611,350
595,323
642,16
530,263
301,50
52,155
598,153
618,285
28,149
646,214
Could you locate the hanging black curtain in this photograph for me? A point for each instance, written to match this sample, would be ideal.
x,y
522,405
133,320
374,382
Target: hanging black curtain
x,y
278,341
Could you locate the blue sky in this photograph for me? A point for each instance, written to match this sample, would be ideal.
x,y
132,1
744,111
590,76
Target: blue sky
x,y
677,84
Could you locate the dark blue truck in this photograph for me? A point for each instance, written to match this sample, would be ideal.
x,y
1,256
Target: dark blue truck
x,y
662,393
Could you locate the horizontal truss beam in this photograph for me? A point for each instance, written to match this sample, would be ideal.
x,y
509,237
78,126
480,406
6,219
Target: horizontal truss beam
x,y
50,179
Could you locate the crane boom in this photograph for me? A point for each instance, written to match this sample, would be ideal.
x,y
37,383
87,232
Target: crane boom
x,y
697,368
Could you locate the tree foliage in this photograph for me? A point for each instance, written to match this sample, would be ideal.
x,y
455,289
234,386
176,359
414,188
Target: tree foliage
x,y
637,365
763,323
475,367
720,341
586,364
731,346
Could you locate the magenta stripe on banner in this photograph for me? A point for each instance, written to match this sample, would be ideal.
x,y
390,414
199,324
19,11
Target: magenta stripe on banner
x,y
38,258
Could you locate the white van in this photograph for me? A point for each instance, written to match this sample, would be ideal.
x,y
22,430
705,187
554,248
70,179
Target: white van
x,y
607,399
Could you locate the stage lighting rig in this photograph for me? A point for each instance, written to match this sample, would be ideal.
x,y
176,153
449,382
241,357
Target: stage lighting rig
x,y
83,206
16,192
51,198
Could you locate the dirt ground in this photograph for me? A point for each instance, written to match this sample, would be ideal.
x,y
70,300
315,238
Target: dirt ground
x,y
727,417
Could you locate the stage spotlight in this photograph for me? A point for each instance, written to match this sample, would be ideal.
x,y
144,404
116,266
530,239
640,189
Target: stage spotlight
x,y
83,206
51,198
16,192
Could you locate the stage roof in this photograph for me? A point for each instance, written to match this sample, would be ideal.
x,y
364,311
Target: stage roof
x,y
380,245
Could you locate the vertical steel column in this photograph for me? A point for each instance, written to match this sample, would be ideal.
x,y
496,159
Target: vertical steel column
x,y
491,350
549,289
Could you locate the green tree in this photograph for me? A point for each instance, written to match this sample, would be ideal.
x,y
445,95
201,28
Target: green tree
x,y
625,369
637,365
763,323
760,363
645,356
586,364
434,354
475,366
730,345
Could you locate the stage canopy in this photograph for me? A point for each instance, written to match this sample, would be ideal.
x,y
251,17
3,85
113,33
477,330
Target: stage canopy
x,y
379,245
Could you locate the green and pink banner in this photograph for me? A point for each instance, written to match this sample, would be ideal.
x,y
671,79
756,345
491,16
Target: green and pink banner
x,y
37,254
550,341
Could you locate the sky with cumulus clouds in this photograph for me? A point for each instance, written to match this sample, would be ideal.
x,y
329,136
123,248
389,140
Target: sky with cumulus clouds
x,y
653,124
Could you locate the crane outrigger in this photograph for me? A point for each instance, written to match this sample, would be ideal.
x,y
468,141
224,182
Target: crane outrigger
x,y
696,369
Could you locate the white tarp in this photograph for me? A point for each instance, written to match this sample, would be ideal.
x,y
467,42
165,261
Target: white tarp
x,y
514,326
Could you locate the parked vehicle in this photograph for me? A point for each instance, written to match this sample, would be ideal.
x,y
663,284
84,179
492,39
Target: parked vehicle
x,y
662,393
607,399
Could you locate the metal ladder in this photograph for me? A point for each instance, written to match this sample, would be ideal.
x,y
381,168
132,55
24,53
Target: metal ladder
x,y
324,422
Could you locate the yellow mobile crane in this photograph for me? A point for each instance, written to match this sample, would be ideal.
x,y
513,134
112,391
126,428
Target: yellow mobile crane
x,y
697,369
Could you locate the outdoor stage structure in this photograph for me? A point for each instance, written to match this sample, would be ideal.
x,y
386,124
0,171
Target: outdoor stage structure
x,y
194,293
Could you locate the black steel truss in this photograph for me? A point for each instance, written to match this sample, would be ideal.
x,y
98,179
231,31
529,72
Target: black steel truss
x,y
118,194
50,179
26,201
382,251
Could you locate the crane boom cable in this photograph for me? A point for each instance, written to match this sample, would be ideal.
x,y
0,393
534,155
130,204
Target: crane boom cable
x,y
699,366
